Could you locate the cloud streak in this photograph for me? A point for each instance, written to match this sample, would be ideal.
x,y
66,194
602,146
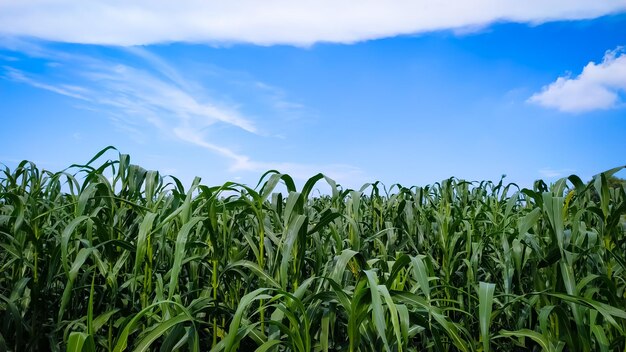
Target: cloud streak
x,y
598,87
344,173
152,91
274,21
550,173
19,76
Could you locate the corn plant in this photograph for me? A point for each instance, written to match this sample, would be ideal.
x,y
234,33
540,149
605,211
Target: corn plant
x,y
109,256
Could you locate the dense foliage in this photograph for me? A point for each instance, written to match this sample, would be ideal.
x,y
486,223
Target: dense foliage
x,y
114,257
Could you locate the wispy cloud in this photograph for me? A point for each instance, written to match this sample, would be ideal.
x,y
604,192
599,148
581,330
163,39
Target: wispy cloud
x,y
67,90
551,173
153,92
278,101
598,87
272,21
194,136
343,173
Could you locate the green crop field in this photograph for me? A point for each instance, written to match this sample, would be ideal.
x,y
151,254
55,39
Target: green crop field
x,y
109,257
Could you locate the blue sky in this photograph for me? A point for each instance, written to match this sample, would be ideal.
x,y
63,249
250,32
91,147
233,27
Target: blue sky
x,y
361,94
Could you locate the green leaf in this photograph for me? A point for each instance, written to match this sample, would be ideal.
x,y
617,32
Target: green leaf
x,y
485,299
159,330
535,336
80,342
378,315
179,253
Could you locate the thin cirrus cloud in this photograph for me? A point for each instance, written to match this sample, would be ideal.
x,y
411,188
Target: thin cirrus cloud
x,y
272,22
67,90
240,162
551,173
132,95
598,87
156,93
148,93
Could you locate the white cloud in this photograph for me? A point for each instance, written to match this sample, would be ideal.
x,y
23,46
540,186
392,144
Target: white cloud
x,y
132,96
279,101
598,87
155,93
551,173
119,22
343,173
67,90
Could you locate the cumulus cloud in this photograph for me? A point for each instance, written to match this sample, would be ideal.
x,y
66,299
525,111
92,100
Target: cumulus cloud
x,y
598,87
119,22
